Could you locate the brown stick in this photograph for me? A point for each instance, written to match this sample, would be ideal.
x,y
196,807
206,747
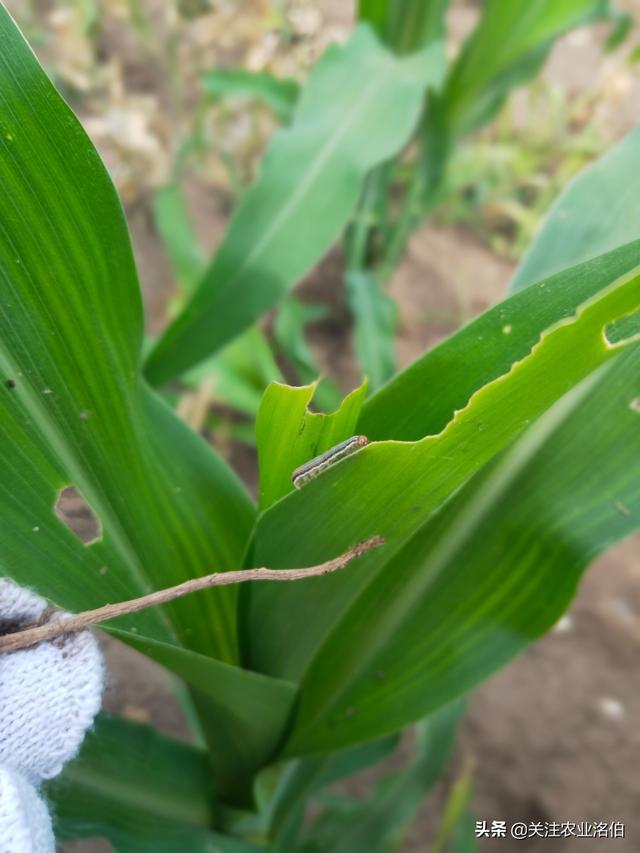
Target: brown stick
x,y
32,636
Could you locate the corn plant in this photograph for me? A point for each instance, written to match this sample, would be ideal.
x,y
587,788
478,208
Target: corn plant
x,y
498,466
365,153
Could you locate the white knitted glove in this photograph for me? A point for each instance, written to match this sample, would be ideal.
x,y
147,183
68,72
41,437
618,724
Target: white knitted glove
x,y
49,696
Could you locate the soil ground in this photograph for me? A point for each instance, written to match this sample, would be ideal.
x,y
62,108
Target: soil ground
x,y
555,735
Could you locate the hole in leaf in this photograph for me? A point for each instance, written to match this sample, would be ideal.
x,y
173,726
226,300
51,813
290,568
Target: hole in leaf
x,y
623,331
76,514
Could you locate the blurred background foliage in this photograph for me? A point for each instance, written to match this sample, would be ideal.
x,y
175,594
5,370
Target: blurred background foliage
x,y
135,70
181,98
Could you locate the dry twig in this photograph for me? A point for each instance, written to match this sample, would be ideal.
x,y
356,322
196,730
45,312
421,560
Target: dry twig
x,y
31,636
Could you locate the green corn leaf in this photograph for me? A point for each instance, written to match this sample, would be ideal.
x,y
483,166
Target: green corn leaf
x,y
238,745
456,833
490,573
599,210
378,824
304,777
621,27
238,375
289,333
278,94
501,562
412,25
289,435
174,225
391,487
406,25
359,107
419,400
141,791
505,50
136,788
375,316
374,12
75,411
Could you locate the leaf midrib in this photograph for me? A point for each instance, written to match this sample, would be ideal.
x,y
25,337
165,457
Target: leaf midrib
x,y
317,164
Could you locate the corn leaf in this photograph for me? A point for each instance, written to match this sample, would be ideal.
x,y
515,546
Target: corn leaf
x,y
377,824
500,563
419,401
305,777
239,746
490,573
140,790
289,334
376,316
392,487
599,210
289,435
128,780
406,25
278,94
373,11
456,832
75,411
174,225
359,107
505,50
238,375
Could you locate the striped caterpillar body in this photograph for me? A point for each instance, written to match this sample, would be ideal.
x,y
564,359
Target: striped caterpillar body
x,y
311,469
